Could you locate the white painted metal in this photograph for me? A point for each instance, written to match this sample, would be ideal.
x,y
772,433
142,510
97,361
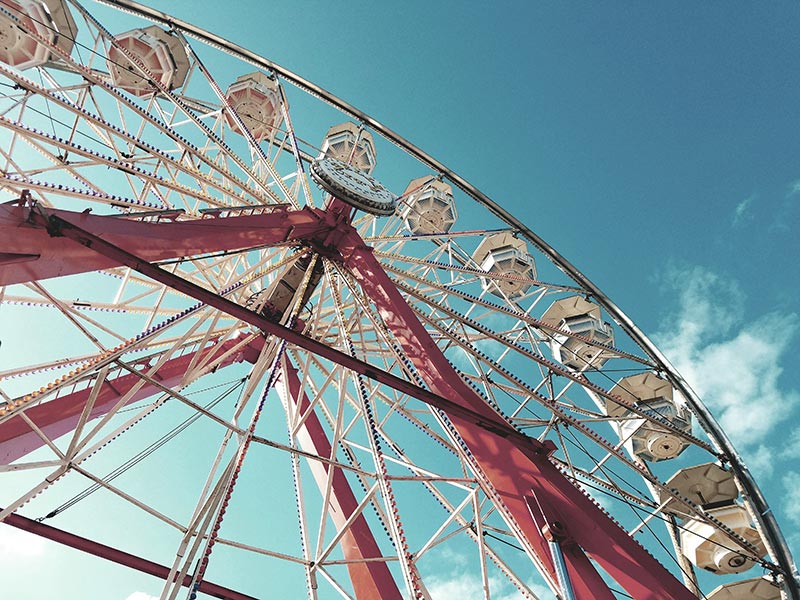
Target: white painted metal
x,y
186,150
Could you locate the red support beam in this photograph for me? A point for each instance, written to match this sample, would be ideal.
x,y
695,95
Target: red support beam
x,y
516,465
518,470
118,556
28,253
61,414
490,422
370,579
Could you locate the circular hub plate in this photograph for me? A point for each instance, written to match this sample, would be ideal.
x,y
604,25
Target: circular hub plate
x,y
350,185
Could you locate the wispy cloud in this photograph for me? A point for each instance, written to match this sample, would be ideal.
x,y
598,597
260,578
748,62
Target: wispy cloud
x,y
791,500
455,588
734,365
777,212
791,506
792,449
458,578
141,596
785,214
761,460
742,211
467,585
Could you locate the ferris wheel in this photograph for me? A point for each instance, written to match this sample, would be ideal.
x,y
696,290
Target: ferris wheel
x,y
265,347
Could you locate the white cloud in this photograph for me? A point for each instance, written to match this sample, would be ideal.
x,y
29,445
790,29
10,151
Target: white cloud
x,y
16,544
141,596
708,305
790,502
458,578
467,585
456,560
741,212
785,214
791,498
760,460
732,364
792,448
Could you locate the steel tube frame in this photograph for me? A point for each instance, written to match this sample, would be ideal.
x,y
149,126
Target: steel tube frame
x,y
485,432
762,511
369,574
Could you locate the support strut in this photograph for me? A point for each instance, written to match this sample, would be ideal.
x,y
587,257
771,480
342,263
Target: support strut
x,y
370,578
512,463
114,555
60,415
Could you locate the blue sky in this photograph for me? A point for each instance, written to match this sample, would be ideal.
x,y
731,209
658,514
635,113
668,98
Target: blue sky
x,y
654,146
632,138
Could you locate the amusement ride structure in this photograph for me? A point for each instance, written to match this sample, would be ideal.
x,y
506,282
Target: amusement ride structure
x,y
266,347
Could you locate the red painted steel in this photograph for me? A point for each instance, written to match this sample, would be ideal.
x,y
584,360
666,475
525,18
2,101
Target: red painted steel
x,y
118,556
516,471
60,415
28,253
370,579
122,257
515,465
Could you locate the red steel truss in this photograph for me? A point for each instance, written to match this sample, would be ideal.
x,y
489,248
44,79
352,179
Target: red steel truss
x,y
530,490
60,415
28,253
371,579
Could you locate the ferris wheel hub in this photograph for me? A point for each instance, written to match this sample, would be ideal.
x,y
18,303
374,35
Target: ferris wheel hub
x,y
353,186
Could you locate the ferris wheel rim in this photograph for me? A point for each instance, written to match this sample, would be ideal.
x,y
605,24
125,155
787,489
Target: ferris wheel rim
x,y
764,514
558,260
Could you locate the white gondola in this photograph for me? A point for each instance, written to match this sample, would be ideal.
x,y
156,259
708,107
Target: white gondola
x,y
644,438
50,19
706,485
428,206
256,100
749,589
578,316
346,143
708,547
505,255
159,52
